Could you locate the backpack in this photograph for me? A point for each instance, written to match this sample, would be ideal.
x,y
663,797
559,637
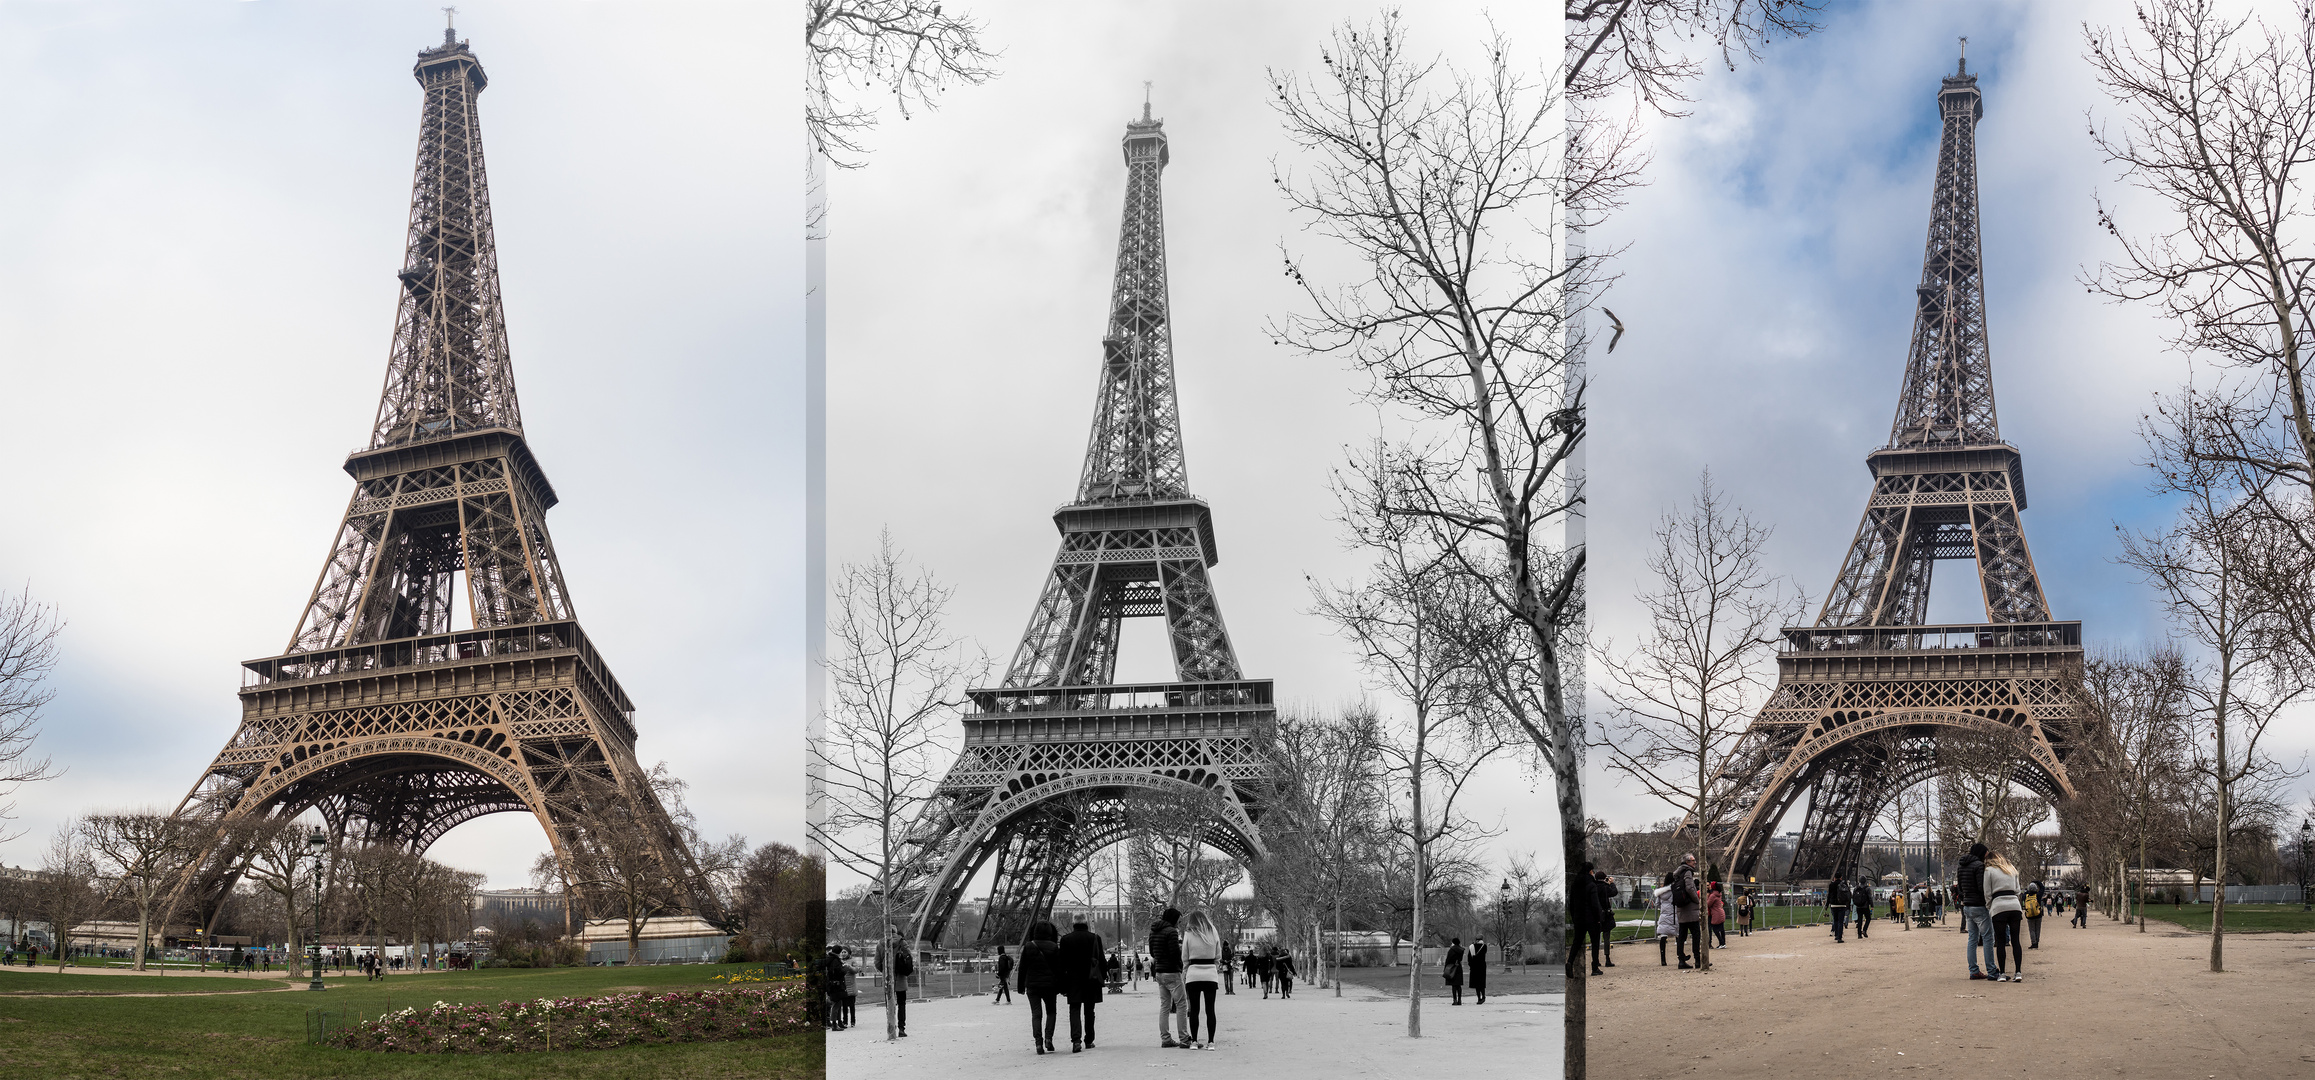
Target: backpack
x,y
1683,895
2033,906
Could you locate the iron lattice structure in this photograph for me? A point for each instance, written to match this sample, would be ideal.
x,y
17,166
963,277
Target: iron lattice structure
x,y
1865,697
392,724
1057,758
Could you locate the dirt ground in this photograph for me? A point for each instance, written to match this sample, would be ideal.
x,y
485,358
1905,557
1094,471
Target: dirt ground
x,y
2102,1001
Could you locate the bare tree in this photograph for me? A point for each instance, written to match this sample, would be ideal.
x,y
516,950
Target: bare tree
x,y
1684,696
275,854
1412,623
140,855
1170,856
897,673
2135,762
66,895
620,864
1642,46
2220,128
2203,569
28,636
1326,827
912,50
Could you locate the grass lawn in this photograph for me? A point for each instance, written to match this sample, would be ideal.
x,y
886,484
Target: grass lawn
x,y
190,1035
2243,918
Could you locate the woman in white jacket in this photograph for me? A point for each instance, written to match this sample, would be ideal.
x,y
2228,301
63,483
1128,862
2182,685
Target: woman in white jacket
x,y
2001,902
1667,923
1201,973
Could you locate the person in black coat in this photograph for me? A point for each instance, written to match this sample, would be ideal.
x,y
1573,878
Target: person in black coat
x,y
1477,958
902,965
1040,978
1229,968
1837,899
1004,974
1603,931
1863,899
1454,970
1083,969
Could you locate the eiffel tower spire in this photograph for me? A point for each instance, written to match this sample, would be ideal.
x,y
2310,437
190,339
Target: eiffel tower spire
x,y
1946,486
448,486
1135,451
1947,399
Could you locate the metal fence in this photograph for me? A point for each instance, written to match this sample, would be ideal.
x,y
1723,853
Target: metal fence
x,y
2240,894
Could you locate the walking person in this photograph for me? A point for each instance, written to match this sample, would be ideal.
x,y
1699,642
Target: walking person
x,y
1229,967
2032,903
1082,973
1453,970
1284,962
1040,978
1004,973
1477,958
1688,900
1201,975
1864,901
1837,900
1716,916
2082,908
1975,922
2001,894
1165,964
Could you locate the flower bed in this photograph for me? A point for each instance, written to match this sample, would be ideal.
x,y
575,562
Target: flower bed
x,y
585,1023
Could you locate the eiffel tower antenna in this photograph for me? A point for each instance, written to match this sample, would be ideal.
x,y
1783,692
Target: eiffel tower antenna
x,y
1057,758
450,26
1865,697
391,722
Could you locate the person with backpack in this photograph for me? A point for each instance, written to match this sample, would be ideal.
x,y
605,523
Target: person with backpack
x,y
1688,899
1837,903
2032,903
1082,973
1863,898
902,966
1004,972
1743,914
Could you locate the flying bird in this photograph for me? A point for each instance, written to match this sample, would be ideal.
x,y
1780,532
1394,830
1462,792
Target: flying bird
x,y
1619,335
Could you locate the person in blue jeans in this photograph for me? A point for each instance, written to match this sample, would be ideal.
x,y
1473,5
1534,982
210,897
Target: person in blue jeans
x,y
1970,883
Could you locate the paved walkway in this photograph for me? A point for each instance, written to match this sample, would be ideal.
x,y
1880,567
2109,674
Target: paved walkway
x,y
2102,1001
1310,1036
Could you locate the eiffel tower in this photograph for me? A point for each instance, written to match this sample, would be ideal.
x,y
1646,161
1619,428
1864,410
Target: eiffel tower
x,y
382,716
1057,758
1864,697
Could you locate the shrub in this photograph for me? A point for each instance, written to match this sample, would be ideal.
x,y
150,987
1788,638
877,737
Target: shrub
x,y
596,1023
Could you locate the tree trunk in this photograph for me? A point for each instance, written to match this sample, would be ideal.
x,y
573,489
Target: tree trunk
x,y
1415,970
144,935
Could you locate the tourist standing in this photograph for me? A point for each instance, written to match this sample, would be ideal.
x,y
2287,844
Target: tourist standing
x,y
1082,973
1603,931
1743,914
1667,925
1004,973
832,986
894,960
1688,899
1284,962
2082,908
1478,961
2032,903
1040,977
1201,975
2002,904
1716,916
1229,967
1970,887
848,987
1837,901
1165,964
1452,971
1864,901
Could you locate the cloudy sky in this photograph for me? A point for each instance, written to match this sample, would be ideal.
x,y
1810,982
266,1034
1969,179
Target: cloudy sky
x,y
1769,292
969,275
206,207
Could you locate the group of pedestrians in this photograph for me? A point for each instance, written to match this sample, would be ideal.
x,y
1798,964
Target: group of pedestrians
x,y
1466,965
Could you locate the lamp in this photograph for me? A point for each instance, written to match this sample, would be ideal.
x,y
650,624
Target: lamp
x,y
315,842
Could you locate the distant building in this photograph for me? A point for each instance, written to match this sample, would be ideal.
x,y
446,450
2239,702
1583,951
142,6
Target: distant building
x,y
492,906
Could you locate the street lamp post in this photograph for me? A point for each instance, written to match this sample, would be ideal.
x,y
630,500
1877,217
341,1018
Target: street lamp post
x,y
315,842
1503,925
